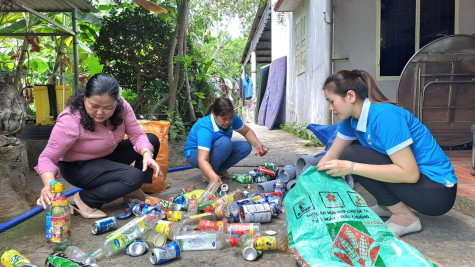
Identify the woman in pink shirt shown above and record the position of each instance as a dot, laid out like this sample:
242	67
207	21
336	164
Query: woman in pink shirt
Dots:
88	149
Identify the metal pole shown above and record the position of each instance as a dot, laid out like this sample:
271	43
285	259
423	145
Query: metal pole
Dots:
75	51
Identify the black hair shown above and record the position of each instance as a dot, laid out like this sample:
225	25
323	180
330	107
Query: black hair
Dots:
221	106
359	81
98	84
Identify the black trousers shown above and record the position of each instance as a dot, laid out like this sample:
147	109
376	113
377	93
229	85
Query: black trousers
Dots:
106	179
425	196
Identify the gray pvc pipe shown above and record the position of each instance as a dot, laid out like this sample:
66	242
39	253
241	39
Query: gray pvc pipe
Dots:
287	173
265	187
305	161
291	184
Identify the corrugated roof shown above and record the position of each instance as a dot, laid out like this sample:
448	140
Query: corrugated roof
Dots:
263	47
46	5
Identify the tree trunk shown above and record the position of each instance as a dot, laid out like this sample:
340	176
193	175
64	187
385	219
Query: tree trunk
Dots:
21	62
15	194
191	110
174	71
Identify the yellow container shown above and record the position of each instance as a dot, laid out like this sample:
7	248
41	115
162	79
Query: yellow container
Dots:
42	103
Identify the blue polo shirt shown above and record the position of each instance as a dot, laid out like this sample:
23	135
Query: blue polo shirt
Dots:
205	131
388	128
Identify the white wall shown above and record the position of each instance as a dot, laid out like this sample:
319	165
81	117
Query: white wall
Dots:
304	99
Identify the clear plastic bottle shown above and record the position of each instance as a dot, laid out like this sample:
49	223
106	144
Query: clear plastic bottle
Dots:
60	220
49	209
194	220
77	254
228	210
233	196
202	240
193	205
170	228
279	242
176	216
210	191
120	238
236	229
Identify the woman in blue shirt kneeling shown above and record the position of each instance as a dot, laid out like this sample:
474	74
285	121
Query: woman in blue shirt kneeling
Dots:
209	145
397	159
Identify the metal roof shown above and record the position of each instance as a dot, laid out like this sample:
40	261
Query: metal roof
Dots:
46	5
261	40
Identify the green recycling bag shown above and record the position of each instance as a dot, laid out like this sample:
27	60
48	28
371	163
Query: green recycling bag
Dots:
329	224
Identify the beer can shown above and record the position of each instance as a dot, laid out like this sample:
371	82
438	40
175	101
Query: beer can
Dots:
250	253
256	213
136	248
11	258
104	225
165	253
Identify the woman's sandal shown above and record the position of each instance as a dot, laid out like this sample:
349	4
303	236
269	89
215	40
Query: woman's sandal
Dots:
78	206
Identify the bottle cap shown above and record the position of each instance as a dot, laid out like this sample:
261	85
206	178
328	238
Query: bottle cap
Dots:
233	241
58	187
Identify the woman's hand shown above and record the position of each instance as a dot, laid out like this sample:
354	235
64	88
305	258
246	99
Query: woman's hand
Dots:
217	179
261	149
148	161
335	167
45	197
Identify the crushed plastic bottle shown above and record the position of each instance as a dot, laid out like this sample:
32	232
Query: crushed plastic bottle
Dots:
279	242
77	254
210	191
120	238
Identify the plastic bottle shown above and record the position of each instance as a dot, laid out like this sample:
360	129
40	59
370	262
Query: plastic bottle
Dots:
169	228
236	229
210	191
60	220
176	216
202	240
193	220
120	238
49	209
233	196
13	258
279	242
193	205
77	254
228	210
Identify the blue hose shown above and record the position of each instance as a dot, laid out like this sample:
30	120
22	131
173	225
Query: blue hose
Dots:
9	224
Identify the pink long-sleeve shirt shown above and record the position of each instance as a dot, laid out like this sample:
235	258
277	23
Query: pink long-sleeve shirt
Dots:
70	142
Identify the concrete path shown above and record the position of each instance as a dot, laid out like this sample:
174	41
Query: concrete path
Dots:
447	240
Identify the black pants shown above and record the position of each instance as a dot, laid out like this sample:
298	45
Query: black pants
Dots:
108	178
425	196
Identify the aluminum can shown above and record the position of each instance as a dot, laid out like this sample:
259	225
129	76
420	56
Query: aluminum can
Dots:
266	171
271	166
165	253
250	253
136	248
279	187
104	225
244	178
256	213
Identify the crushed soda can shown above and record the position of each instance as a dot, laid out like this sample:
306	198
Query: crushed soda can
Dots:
12	258
250	253
261	178
136	248
165	253
244	178
128	209
189	189
271	166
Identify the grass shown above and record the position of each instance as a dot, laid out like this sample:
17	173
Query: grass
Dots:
302	132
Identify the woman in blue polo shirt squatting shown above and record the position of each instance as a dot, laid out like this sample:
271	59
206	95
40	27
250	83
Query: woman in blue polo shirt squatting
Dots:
209	145
398	160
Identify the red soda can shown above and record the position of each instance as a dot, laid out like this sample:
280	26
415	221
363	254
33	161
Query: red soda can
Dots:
266	171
